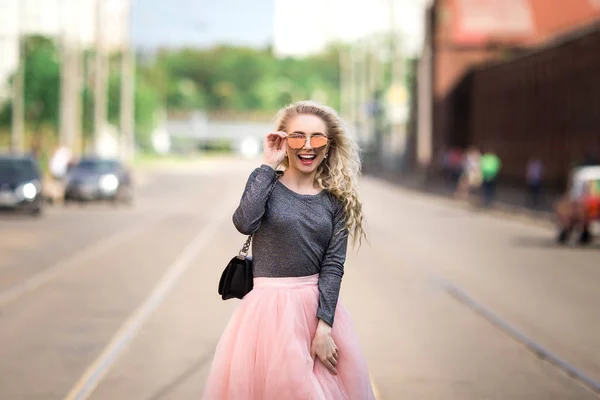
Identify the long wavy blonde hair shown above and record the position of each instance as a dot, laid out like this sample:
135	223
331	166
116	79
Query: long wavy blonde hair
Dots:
339	172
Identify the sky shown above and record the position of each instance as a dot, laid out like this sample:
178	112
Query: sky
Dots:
158	23
294	27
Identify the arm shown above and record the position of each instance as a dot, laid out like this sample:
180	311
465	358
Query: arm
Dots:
332	269
330	279
248	215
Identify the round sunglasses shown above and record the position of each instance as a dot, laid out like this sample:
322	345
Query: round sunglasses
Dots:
316	142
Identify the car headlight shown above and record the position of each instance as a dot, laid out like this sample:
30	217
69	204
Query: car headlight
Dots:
109	182
27	191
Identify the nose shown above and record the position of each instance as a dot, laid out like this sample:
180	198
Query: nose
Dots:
307	145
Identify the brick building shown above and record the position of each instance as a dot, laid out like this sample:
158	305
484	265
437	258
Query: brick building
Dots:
461	36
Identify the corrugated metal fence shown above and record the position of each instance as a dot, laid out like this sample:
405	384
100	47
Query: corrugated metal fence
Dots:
545	104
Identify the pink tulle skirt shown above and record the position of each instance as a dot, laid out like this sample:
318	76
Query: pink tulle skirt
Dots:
264	353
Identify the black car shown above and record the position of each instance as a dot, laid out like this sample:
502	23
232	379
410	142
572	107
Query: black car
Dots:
20	184
98	179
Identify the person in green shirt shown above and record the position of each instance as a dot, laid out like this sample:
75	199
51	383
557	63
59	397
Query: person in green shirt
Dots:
490	167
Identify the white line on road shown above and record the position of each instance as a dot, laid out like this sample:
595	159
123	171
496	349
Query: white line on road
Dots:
512	331
98	369
93	250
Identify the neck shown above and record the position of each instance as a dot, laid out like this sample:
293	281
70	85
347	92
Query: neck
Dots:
299	181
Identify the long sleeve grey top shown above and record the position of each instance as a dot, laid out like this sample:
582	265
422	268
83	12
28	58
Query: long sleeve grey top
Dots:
294	235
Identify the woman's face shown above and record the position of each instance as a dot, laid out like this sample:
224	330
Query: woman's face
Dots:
307	142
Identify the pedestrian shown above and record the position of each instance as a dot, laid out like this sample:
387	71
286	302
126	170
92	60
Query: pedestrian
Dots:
290	338
490	167
535	171
470	178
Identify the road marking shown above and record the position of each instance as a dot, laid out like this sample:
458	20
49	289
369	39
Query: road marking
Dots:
542	352
93	250
98	369
486	313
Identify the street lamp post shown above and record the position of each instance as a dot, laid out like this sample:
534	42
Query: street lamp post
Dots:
127	89
18	102
100	78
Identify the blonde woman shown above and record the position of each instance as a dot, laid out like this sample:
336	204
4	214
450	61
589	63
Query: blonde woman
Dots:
290	339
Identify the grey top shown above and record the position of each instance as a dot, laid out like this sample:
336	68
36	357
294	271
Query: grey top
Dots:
294	235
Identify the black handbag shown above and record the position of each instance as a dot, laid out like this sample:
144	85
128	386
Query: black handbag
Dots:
237	280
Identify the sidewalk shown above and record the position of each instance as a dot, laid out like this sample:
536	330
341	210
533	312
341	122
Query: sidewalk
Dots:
508	199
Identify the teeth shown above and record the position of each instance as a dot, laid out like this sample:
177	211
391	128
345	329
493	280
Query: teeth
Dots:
307	157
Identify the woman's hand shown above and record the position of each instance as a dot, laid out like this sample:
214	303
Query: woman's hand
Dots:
324	347
274	148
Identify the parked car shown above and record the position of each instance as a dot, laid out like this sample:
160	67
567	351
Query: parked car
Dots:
20	184
579	210
93	179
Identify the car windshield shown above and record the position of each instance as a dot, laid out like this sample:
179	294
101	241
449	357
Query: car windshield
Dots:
99	166
17	170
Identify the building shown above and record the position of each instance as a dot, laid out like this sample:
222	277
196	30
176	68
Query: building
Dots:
461	34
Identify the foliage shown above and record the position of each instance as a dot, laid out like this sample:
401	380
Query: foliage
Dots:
222	78
244	79
41	85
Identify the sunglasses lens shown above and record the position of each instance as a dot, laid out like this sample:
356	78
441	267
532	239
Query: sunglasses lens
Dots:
296	143
317	142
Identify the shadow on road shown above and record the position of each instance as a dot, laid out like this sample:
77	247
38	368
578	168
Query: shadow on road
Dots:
550	243
9	215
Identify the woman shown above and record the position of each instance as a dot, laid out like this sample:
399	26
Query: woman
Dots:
290	339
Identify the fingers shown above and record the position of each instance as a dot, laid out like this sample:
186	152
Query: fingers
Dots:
275	135
330	366
331	361
277	139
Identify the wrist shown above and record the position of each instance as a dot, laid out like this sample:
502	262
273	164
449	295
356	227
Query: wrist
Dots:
272	165
323	327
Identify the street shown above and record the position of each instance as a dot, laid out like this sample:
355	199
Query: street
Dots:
121	302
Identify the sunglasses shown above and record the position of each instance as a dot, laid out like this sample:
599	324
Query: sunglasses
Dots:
316	142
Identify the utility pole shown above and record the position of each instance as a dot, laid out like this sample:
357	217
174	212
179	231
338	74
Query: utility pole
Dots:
363	89
128	90
353	101
70	94
100	78
18	103
398	95
344	69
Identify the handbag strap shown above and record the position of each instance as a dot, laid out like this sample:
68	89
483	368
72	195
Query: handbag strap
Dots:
244	251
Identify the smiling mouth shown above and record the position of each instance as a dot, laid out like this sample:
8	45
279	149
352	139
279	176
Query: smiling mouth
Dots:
307	159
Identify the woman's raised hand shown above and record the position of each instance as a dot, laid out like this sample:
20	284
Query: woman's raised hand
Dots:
274	148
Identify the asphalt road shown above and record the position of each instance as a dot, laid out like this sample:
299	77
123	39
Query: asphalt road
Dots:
121	303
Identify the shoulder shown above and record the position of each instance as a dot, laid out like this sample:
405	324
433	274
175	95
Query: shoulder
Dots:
265	170
334	203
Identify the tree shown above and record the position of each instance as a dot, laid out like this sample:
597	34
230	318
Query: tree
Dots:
245	79
41	85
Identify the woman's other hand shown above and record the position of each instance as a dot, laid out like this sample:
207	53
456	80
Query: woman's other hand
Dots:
324	347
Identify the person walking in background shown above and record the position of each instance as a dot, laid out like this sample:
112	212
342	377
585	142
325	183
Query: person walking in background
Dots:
471	173
291	338
534	176
59	162
490	167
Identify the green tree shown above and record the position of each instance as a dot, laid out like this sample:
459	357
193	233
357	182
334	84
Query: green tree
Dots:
41	85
